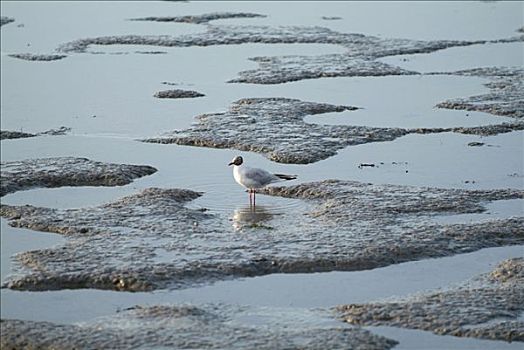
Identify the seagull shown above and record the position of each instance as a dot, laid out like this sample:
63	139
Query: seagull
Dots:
254	178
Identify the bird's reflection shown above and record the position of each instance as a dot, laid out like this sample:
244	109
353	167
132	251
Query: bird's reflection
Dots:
252	217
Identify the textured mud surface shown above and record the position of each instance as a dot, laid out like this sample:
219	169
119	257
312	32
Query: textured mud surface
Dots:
359	45
8	134
485	130
178	94
276	70
200	19
37	57
5	20
275	127
506	97
359	60
55	132
190	327
484	308
66	171
154	240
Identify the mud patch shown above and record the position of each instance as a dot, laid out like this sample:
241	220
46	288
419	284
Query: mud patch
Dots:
152	240
66	171
7	135
151	52
483	130
176	93
5	20
359	45
506	97
37	57
113	246
275	127
191	327
276	70
200	19
359	60
484	308
55	132
476	144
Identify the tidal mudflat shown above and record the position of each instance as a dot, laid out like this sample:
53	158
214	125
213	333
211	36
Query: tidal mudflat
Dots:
487	307
126	229
8	134
6	20
276	128
360	227
188	326
59	172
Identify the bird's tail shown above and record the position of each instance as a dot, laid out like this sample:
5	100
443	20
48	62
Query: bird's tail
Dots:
286	177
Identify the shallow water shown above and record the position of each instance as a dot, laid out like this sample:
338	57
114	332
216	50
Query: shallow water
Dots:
385	101
458	58
107	100
410	339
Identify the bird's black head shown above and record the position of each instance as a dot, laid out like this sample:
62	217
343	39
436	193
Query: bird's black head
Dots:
236	161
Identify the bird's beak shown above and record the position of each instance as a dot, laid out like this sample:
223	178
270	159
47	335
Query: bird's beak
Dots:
230	164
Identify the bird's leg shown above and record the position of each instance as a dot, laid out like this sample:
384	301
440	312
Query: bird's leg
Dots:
254	195
250	198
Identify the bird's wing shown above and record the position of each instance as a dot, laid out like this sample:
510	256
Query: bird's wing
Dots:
259	176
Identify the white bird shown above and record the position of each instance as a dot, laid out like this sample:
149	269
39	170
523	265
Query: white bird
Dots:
254	178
